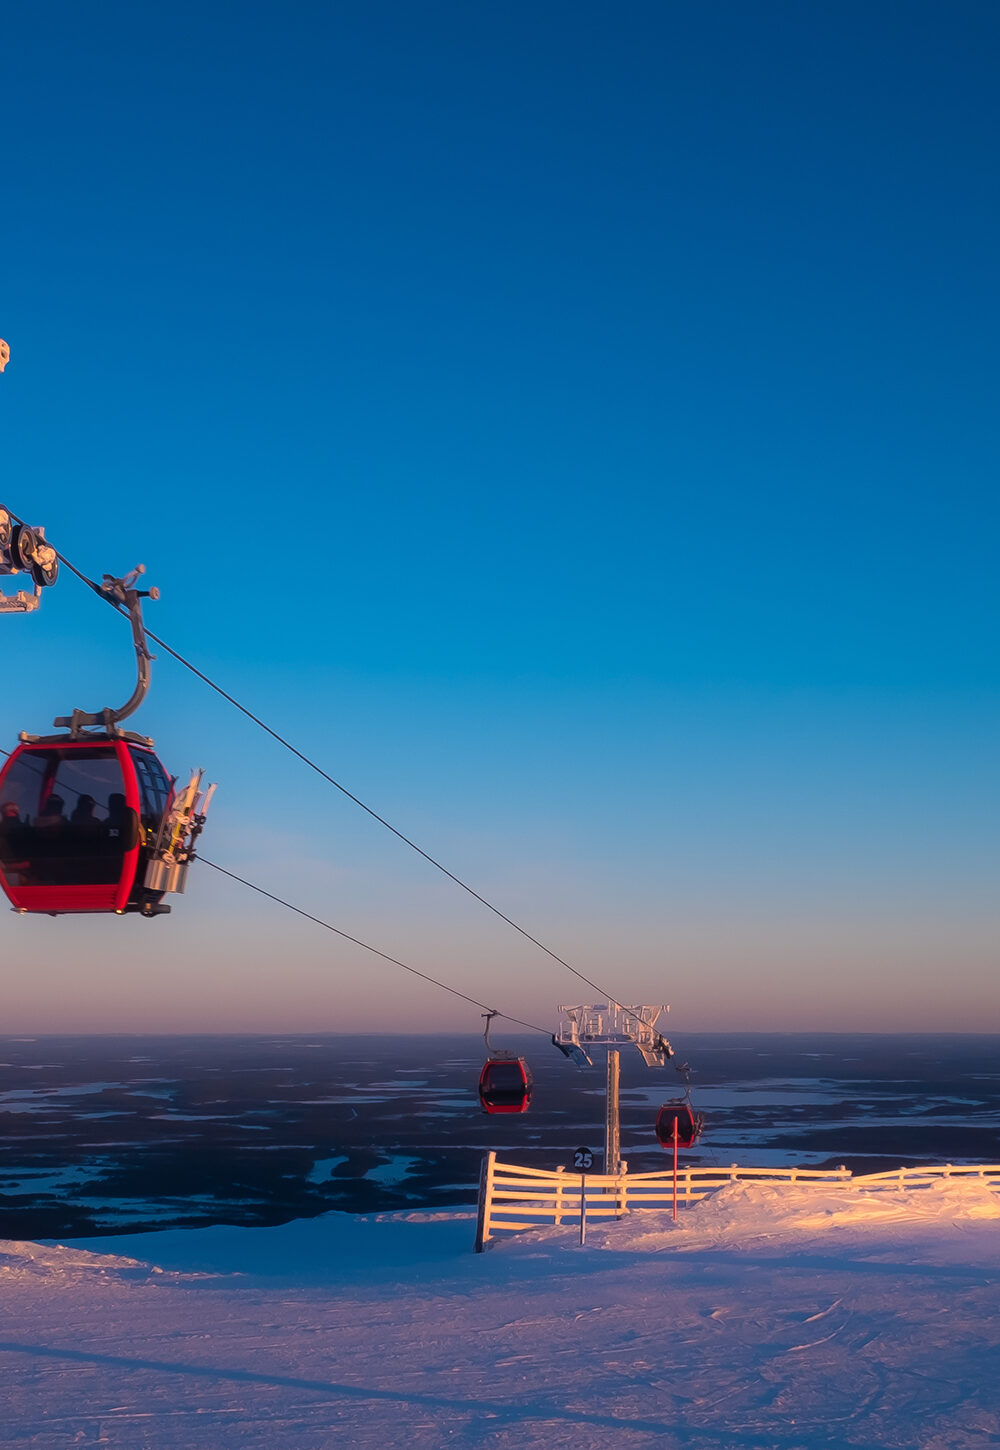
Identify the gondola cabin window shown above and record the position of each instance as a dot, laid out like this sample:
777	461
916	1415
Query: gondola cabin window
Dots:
64	818
69	827
505	1086
154	788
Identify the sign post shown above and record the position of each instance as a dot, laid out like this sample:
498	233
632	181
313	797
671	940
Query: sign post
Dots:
583	1159
675	1170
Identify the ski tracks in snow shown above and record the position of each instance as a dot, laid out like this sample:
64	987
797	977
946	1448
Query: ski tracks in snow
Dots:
864	1341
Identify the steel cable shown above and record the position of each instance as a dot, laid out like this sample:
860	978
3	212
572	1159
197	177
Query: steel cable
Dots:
313	765
356	941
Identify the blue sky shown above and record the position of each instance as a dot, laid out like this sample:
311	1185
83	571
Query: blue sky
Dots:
573	424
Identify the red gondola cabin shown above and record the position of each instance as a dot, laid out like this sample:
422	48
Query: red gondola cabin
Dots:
505	1085
78	823
689	1125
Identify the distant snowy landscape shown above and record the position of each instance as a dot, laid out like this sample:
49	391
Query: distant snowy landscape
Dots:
770	1315
112	1135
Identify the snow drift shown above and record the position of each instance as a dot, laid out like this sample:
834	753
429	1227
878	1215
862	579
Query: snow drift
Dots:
769	1316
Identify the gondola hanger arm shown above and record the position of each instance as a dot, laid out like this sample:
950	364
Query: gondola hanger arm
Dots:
126	599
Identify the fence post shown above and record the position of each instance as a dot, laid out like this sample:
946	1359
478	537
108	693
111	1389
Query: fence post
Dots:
485	1201
621	1192
559	1194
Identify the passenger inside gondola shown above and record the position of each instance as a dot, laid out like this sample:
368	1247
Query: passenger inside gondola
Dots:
52	817
121	825
12	842
83	812
47	842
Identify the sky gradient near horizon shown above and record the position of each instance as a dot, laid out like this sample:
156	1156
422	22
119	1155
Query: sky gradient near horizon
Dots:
576	427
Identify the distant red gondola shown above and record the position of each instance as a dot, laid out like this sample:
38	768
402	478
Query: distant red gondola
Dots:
505	1085
689	1125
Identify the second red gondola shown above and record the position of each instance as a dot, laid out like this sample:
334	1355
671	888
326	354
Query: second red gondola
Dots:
505	1085
679	1116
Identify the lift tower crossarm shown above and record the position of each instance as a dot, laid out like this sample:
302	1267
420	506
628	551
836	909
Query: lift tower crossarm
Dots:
611	1024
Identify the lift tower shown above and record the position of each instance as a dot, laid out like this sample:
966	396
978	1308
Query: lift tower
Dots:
611	1026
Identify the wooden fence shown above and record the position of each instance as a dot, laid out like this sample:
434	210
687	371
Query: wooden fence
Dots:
513	1198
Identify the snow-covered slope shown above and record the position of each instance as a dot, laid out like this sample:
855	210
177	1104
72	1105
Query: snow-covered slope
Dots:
769	1316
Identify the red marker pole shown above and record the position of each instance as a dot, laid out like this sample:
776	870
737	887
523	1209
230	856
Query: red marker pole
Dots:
675	1170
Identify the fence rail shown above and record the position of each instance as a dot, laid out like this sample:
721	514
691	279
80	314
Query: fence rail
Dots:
513	1198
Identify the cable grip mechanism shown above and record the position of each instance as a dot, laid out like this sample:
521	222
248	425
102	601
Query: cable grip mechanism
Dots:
23	548
122	595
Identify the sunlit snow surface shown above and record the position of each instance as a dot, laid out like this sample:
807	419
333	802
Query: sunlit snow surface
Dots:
773	1317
